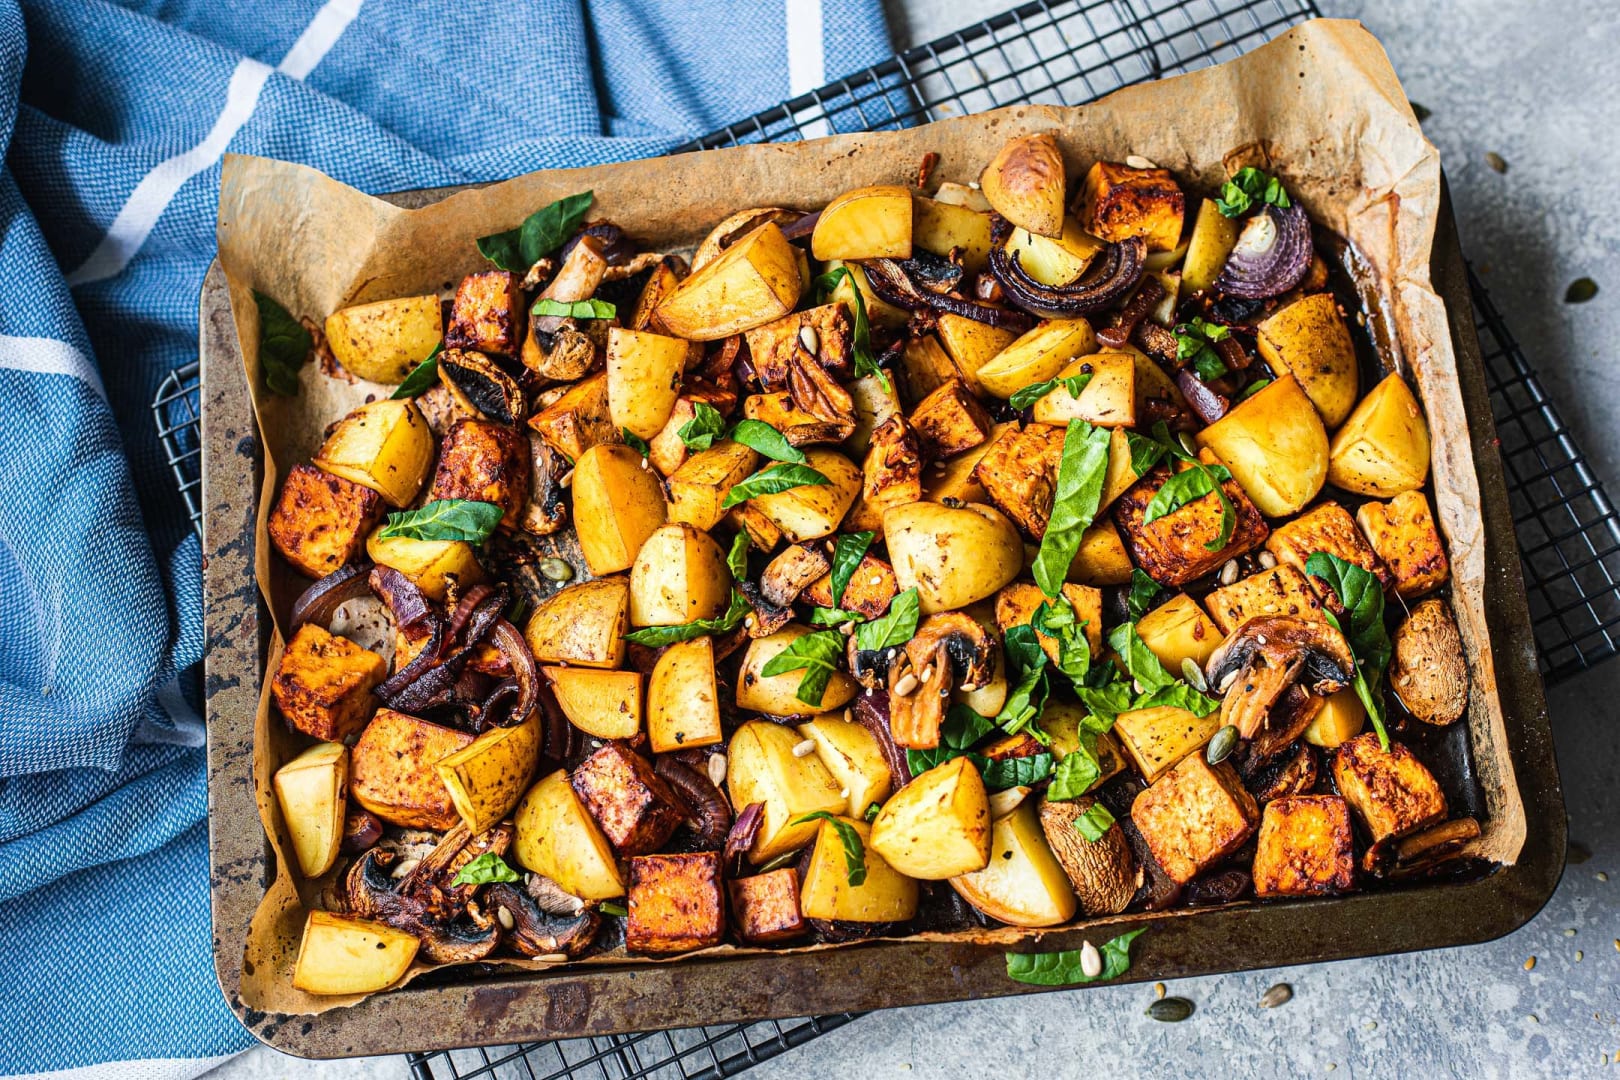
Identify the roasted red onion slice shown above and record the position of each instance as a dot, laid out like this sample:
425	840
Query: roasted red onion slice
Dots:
891	280
320	601
1135	310
525	674
709	811
465	607
744	830
872	711
1273	253
1205	401
1109	278
406	602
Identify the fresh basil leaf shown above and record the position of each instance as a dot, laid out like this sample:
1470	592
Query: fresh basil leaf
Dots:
485	869
920	761
635	442
1362	624
847	555
1056	619
659	636
834	617
783	476
1076	773
872	812
1029	395
284	345
1081	472
608	907
1145	452
1189	485
705	426
1063	968
1143	592
1209	366
1253	389
422	378
445	519
895	627
1026	664
541	233
758	435
737	557
854	850
577	309
1017	771
816	654
860	339
1094	823
1180	695
1140	661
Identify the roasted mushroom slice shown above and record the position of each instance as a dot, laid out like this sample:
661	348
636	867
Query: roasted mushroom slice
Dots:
480	386
1293	773
471	937
546	509
1102	871
905	284
736	227
1272	254
767	618
918	697
530	930
790	572
1427	670
970	649
1286	721
1268	654
1427	850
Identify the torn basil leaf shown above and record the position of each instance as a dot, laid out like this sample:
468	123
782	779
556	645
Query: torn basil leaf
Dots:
1081	472
541	233
783	476
284	345
445	519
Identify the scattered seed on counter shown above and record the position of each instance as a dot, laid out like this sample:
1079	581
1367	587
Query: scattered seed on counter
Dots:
1530	963
1171	1010
1579	956
1569	932
1601	876
1279	994
1159	988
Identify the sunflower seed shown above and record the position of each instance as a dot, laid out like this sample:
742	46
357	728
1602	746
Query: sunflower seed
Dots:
1171	1010
505	916
1090	960
717	769
555	569
1193	674
1137	161
1229	572
1268	561
907	683
1221	745
805	749
1277	995
809	339
566	478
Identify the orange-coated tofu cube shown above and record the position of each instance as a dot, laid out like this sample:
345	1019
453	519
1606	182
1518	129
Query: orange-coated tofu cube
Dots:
1391	790
1019	473
636	809
1305	847
1194	817
486	315
765	907
320	521
1282	590
675	903
950	420
1403	533
1327	527
1117	201
323	685
486	462
1172	549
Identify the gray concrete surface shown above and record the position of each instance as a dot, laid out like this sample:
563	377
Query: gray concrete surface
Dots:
1533	82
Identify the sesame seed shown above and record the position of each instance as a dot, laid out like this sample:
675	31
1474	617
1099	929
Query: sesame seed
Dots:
877	579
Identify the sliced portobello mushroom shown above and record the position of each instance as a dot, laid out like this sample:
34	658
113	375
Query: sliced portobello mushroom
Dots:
1292	773
469	938
969	647
1284	723
1267	655
534	930
1427	669
546	510
481	387
1433	847
1103	872
791	572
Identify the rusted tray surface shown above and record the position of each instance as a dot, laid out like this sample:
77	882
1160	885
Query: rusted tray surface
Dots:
502	1008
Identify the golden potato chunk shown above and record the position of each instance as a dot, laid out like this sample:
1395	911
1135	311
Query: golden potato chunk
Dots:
1117	201
320	521
1282	590
1019	473
392	770
383	340
925	366
1158	738
771	347
1325	527
950	421
1172	549
323	684
675	903
636	809
1403	533
765	907
1194	817
699	486
485	315
485	461
578	420
1305	847
1391	790
1178	630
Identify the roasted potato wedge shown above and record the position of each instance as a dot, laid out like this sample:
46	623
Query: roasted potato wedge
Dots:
604	704
1309	340
885	896
867	223
488	776
382	341
1026	184
753	281
762	768
386	446
340	955
1383	447
679	576
952	556
582	625
556	836
643	379
618	504
683	699
1275	445
777	695
312	790
1023	884
937	826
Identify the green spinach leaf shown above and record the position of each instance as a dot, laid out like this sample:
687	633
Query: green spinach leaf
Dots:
1081	472
284	345
783	476
445	519
1363	627
484	870
1246	187
896	626
577	309
1063	968
659	636
423	377
1143	592
758	435
847	555
816	654
541	233
706	425
1094	823
854	850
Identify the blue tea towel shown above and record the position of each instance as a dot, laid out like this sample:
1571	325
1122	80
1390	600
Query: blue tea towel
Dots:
115	116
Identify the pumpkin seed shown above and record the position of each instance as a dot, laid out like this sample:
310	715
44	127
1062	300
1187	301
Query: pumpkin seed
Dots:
1496	161
1171	1010
1277	995
1580	291
1187	444
1193	674
555	569
1221	745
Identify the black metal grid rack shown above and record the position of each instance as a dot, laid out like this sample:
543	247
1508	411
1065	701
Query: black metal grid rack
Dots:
1068	52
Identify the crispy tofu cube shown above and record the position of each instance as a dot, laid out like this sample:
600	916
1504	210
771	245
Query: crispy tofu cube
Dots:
323	685
1391	790
763	533
636	809
798	426
892	472
1171	550
1194	817
1282	590
1017	603
1117	201
675	903
1330	528
487	462
868	593
950	421
765	907
1402	531
1178	630
578	420
771	347
1305	847
486	314
1019	473
320	521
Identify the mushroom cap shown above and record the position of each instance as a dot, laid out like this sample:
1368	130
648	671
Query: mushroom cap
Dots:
536	931
1427	670
971	649
1103	872
1326	661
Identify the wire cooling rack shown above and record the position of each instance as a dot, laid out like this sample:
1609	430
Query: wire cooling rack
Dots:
1068	52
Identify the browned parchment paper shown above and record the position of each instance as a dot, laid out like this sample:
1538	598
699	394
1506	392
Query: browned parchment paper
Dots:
1320	105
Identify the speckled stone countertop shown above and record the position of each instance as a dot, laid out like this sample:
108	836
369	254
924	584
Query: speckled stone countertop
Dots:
1534	83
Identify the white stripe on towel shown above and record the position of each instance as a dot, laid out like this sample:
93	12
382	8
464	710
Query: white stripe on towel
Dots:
807	59
48	356
140	213
147	1069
